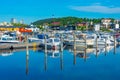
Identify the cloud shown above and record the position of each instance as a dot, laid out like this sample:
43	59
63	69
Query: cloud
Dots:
97	8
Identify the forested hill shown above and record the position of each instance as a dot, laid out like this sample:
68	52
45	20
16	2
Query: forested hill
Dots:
67	20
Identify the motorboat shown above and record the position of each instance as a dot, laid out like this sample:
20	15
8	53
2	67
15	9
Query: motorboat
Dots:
53	43
8	39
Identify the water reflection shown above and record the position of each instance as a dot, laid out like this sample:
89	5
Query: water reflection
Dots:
27	63
5	53
83	53
61	60
86	52
53	53
45	61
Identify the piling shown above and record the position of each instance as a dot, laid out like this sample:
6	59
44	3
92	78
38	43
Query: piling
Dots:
74	36
45	43
114	44
85	56
105	46
96	47
27	54
74	62
27	50
61	38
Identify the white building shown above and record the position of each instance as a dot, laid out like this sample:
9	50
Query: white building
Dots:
97	27
13	20
116	26
22	21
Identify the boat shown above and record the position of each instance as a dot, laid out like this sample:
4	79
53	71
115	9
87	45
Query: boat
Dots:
118	39
53	43
8	39
40	38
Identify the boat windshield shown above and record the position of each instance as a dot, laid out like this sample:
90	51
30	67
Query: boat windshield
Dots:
50	41
9	39
56	40
4	38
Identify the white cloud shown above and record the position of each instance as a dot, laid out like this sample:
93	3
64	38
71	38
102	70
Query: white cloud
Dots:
97	8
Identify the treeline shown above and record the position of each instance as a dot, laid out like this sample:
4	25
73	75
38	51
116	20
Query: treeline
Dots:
68	21
19	25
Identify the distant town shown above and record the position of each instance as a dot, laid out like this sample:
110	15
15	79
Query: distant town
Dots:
64	23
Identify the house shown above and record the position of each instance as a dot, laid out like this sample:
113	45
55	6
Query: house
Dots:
81	24
106	22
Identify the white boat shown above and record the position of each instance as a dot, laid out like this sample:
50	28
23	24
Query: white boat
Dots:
33	39
53	43
8	39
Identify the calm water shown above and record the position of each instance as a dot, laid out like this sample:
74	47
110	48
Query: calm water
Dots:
104	65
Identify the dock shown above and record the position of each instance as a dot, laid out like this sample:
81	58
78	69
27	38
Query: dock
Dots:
18	46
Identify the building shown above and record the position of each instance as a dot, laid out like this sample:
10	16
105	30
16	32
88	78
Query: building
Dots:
13	20
5	24
97	27
106	22
22	21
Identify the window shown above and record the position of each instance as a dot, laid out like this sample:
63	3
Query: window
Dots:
56	40
4	38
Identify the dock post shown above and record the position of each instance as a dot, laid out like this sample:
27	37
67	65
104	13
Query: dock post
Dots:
105	47
85	56
114	44
27	55
45	43
96	47
61	38
74	41
74	36
27	49
20	37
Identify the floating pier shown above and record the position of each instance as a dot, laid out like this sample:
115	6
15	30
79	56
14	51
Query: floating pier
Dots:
19	46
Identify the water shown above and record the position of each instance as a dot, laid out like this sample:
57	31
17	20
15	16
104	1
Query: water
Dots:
62	66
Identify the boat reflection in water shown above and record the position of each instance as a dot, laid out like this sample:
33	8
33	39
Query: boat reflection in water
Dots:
53	53
6	53
87	52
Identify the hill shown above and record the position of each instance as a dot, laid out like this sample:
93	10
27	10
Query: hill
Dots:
66	20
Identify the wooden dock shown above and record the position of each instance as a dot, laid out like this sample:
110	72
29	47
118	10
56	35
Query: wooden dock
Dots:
19	46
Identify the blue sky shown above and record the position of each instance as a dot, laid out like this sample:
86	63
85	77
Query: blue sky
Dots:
32	10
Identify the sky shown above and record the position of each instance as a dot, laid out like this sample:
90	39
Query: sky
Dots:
33	10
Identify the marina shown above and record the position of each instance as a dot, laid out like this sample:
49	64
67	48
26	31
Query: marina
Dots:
60	55
60	40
